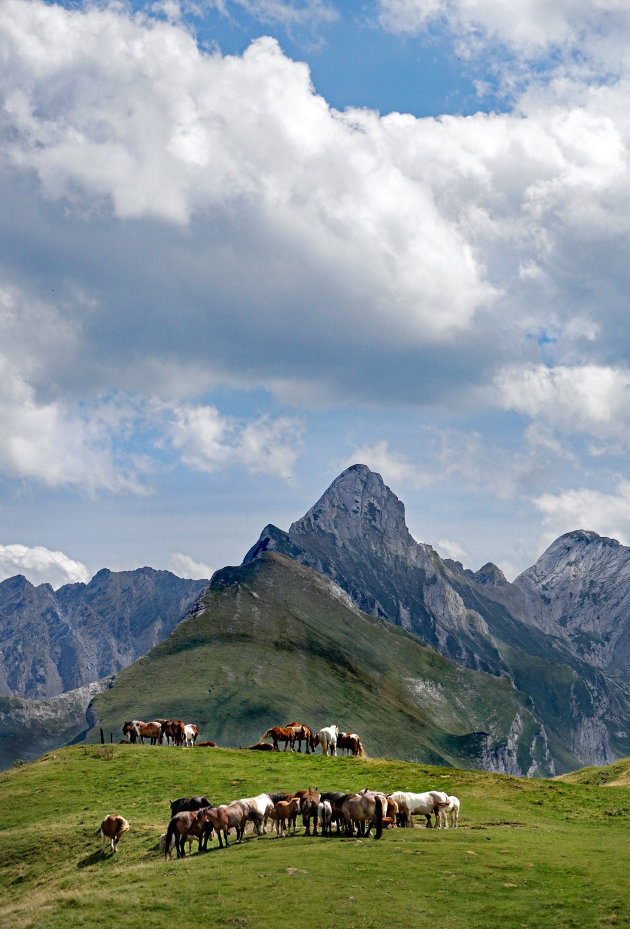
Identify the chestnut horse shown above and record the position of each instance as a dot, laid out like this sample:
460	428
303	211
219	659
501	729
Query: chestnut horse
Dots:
351	742
136	729
286	811
280	734
303	734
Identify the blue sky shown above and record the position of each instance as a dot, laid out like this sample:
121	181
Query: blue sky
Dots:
247	243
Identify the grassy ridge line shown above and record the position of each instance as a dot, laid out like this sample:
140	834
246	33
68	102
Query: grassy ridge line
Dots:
274	643
529	853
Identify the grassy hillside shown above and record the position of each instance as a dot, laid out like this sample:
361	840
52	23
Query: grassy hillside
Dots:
528	853
276	642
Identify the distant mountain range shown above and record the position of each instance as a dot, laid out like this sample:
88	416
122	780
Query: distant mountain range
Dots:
548	652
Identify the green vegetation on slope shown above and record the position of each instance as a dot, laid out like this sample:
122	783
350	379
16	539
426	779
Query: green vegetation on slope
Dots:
276	642
527	854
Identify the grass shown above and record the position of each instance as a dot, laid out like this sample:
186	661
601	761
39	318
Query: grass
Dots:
527	854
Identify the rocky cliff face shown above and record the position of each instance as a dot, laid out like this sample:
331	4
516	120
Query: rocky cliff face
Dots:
356	535
579	591
52	642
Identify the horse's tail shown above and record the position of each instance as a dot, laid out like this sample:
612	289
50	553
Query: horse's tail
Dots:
170	834
360	748
379	817
267	734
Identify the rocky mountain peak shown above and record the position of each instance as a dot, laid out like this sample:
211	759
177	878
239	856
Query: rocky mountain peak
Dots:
356	503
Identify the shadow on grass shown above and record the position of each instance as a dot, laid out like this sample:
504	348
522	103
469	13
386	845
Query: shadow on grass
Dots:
94	858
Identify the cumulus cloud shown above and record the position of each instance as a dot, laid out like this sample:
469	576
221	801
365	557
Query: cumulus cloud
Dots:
185	566
531	26
394	467
208	441
608	514
591	399
41	565
449	548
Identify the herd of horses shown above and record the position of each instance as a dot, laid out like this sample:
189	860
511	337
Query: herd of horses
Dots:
349	814
176	732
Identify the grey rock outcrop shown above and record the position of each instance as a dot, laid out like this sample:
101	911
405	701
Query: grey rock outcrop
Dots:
55	641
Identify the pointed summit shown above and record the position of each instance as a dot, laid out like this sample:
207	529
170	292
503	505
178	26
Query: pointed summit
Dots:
357	503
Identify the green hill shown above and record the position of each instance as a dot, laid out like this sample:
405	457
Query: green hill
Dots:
533	853
276	641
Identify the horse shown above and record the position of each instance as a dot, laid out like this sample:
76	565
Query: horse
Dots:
230	816
181	826
280	734
449	812
424	804
302	734
112	828
143	731
190	734
324	814
263	747
262	804
365	807
188	804
327	738
174	731
336	799
351	742
286	811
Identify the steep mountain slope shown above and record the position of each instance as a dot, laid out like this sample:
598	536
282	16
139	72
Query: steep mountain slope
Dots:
273	641
356	535
55	641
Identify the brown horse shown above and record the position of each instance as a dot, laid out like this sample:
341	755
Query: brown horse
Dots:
174	731
285	811
351	742
231	816
112	828
183	825
309	803
280	734
136	729
302	733
365	807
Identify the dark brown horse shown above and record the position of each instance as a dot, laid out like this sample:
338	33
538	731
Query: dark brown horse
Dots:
186	804
174	731
183	825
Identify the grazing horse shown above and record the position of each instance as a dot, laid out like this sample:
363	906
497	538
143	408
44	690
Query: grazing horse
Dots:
327	738
449	812
231	816
174	731
183	825
112	828
351	742
423	804
286	811
302	733
365	807
187	804
262	804
190	734
280	734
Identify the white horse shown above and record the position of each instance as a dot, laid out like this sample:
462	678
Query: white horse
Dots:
450	812
324	815
423	804
190	733
262	804
328	739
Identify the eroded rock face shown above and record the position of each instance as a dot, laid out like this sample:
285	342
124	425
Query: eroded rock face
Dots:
579	591
55	641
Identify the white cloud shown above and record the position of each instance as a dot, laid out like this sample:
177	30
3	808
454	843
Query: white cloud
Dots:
186	566
591	399
608	514
41	565
449	548
209	441
395	468
529	25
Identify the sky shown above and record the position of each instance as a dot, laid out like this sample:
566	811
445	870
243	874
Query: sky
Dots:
245	244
